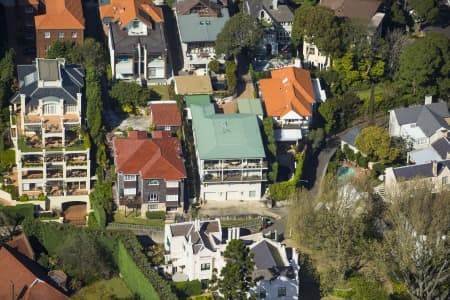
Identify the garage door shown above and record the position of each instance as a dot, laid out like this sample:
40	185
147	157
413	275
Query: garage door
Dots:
210	196
233	196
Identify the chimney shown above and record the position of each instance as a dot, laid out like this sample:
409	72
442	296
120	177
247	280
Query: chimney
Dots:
428	99
11	290
275	4
275	238
434	168
297	63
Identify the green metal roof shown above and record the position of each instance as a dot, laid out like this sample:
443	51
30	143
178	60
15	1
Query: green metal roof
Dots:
250	106
194	28
197	99
225	136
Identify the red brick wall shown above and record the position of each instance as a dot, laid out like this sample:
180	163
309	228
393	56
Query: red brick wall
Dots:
42	42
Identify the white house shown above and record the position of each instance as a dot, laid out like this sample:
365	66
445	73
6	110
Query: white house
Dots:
199	22
272	13
420	125
312	56
230	154
195	249
289	98
136	40
276	270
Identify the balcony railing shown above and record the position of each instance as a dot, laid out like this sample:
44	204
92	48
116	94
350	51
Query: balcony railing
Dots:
237	166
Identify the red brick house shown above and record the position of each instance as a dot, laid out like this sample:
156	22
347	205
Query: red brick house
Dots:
150	171
63	20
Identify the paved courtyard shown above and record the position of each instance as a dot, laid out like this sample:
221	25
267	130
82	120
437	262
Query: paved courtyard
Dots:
226	208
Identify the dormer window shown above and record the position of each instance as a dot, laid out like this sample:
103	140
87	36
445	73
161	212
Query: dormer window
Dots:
136	24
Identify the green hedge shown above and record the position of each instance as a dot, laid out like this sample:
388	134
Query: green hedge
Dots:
133	276
124	248
99	213
283	190
186	289
20	211
159	214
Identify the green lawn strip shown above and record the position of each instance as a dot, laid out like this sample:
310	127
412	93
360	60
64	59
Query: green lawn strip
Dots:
231	223
104	289
365	94
131	218
162	90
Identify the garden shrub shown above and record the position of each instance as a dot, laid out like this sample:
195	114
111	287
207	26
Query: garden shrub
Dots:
19	212
186	289
159	214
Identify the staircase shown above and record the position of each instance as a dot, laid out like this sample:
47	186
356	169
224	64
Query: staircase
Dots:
379	190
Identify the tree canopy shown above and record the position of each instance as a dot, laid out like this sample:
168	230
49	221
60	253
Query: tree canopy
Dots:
236	275
425	66
239	32
130	95
319	25
89	53
425	10
376	143
416	243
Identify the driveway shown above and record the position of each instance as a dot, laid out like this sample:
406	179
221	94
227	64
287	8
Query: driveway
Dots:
227	208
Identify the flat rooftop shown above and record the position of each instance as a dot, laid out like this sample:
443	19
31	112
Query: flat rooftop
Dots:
48	69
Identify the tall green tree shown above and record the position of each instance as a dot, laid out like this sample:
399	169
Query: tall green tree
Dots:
416	247
130	95
376	143
236	275
240	32
94	101
319	25
425	67
425	10
62	49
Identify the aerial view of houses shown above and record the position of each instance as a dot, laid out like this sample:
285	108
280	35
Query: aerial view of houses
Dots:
225	149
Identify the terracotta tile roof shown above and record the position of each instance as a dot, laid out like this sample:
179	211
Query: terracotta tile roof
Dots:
21	244
150	158
61	14
165	114
27	278
289	89
125	11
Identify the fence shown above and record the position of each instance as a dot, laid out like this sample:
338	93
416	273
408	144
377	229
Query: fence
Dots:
121	226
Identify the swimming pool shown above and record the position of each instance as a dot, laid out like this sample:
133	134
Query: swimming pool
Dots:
344	174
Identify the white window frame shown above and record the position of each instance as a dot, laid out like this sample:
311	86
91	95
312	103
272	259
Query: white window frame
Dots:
153	206
74	35
205	266
47	35
129	177
171	197
172	184
153	197
61	35
154	182
129	191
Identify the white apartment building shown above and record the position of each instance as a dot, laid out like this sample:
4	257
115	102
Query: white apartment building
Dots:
51	155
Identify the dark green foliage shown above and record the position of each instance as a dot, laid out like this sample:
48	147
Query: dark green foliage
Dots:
268	136
94	101
230	73
102	202
317	24
214	65
378	169
18	212
425	10
236	275
425	68
283	190
120	247
338	113
161	215
361	160
185	289
316	138
81	258
62	49
6	91
92	220
349	153
130	95
240	32
7	158
12	190
367	289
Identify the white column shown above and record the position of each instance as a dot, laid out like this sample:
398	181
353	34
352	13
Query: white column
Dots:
139	59
145	63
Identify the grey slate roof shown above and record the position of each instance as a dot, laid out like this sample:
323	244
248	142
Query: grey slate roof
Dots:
72	77
420	170
266	256
282	14
124	44
194	28
442	147
350	137
429	118
200	239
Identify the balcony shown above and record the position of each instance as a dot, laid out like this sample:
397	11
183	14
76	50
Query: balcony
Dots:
77	174
32	162
33	144
237	165
52	174
32	175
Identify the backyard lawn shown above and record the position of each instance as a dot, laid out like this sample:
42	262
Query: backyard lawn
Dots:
162	90
365	94
114	288
131	218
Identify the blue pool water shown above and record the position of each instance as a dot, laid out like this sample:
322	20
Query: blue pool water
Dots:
345	173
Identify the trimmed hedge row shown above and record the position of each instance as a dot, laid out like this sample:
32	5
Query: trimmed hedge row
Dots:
186	289
283	190
20	211
124	247
159	214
